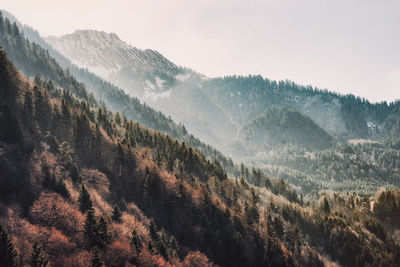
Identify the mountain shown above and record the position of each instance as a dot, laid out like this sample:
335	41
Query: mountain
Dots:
216	110
147	75
80	187
279	125
142	73
33	59
234	100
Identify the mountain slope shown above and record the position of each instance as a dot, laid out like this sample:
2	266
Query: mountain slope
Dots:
217	109
237	98
32	59
142	73
279	125
76	161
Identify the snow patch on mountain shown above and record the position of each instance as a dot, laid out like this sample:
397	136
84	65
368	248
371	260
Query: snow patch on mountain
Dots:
159	82
182	77
105	54
154	96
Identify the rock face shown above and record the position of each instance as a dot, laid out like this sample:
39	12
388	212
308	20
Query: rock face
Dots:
142	73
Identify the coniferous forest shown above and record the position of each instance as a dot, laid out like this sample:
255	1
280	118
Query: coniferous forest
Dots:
90	176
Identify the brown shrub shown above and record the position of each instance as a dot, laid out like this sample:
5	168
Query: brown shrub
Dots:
54	242
52	210
146	259
97	180
78	259
196	259
117	254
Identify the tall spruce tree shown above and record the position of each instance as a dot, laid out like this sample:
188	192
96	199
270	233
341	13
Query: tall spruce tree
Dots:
38	256
153	230
10	131
136	243
116	215
8	253
84	201
96	258
325	206
90	228
102	234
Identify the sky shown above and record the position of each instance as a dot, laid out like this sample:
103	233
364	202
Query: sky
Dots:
346	46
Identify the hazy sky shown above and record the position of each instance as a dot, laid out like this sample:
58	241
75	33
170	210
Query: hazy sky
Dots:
347	46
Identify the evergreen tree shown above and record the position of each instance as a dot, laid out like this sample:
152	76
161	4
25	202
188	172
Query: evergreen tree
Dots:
10	131
90	228
116	215
96	258
251	213
8	253
150	246
38	80
28	109
38	256
83	135
136	243
153	230
102	233
162	244
325	206
42	107
278	227
118	119
274	254
1	22
173	248
84	200
293	238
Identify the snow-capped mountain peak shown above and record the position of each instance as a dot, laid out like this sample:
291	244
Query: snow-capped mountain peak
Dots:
139	72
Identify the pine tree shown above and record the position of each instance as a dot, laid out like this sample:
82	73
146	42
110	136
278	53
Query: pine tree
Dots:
325	206
150	246
136	243
90	228
153	230
38	80
118	119
102	233
162	244
116	215
173	248
270	226
83	135
10	131
8	253
293	238
96	258
278	226
28	109
42	107
1	23
84	200
150	183
38	256
274	253
251	213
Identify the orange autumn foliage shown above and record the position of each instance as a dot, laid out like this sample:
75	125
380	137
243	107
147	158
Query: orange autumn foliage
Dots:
52	210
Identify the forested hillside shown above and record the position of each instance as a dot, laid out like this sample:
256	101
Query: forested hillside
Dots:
229	112
350	116
90	176
355	166
279	125
32	59
82	186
